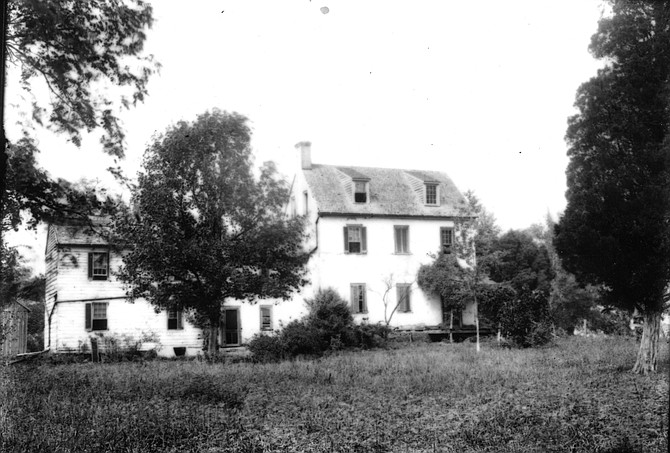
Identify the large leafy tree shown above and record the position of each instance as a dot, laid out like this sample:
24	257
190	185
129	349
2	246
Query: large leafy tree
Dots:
521	262
204	229
88	55
616	227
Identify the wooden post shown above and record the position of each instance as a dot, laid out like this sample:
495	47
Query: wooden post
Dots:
95	355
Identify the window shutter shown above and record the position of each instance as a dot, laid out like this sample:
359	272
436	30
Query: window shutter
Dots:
364	240
90	265
364	296
180	324
346	240
88	313
352	298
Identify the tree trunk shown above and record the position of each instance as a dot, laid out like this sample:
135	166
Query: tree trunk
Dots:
214	327
647	355
451	327
3	138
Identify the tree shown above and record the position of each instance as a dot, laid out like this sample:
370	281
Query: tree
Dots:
204	229
79	51
485	226
389	284
616	228
455	276
521	262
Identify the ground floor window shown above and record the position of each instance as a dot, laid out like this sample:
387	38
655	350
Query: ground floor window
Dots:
266	317
96	316
358	298
175	320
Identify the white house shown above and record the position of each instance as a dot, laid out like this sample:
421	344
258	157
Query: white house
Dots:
370	230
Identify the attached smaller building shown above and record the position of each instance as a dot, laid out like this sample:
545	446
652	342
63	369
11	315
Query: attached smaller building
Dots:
84	299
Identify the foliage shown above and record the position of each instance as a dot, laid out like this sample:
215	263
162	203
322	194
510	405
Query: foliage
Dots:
521	262
485	226
615	230
443	278
204	229
328	326
79	49
266	348
329	313
421	397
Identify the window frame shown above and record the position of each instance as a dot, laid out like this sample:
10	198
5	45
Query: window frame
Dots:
396	230
443	246
91	318
366	191
356	290
435	186
407	306
178	317
362	243
269	326
92	268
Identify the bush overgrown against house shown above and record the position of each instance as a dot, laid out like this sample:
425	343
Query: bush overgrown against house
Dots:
328	326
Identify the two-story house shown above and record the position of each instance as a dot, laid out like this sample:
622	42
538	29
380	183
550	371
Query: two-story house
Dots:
370	230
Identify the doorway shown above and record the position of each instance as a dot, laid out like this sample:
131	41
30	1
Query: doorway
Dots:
230	333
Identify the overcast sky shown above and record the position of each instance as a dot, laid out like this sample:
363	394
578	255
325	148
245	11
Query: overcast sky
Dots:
478	89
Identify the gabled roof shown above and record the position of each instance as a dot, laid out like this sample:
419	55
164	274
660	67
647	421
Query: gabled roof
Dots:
78	232
393	192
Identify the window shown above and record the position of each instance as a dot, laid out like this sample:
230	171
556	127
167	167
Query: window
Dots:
431	194
355	239
266	317
306	200
403	292
98	265
360	192
358	298
175	320
446	239
401	233
96	316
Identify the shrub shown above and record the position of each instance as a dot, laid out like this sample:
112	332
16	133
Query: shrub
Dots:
330	316
540	335
266	348
301	338
328	325
371	335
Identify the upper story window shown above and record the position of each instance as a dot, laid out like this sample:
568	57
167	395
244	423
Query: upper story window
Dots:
446	239
361	192
98	265
306	203
175	321
401	236
432	195
355	239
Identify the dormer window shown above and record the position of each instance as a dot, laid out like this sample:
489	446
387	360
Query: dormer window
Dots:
432	194
360	191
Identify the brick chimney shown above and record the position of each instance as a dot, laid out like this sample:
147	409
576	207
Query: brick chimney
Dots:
305	152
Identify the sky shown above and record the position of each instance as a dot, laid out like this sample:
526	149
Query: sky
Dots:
480	90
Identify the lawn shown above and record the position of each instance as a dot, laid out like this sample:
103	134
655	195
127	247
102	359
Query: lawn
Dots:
575	396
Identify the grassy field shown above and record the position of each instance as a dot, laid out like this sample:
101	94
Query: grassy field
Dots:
575	396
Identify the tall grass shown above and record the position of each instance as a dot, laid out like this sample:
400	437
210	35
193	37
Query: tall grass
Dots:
576	396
